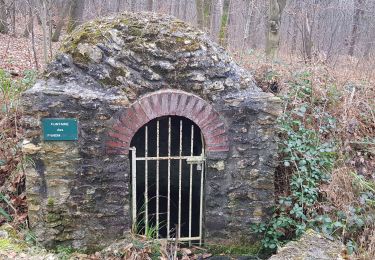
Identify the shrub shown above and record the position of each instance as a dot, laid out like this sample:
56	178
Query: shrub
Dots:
312	139
12	198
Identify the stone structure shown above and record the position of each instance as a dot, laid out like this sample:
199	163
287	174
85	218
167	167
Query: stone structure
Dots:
116	74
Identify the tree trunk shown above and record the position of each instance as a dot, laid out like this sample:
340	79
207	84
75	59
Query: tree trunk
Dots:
44	30
31	15
369	43
297	10
3	17
29	26
60	24
150	5
118	6
223	38
133	5
14	30
253	25
177	8
38	19
273	27
249	9
217	14
200	13
307	38
207	5
49	13
366	53
293	46
184	8
76	14
358	4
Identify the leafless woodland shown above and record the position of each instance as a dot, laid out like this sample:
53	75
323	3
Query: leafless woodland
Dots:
335	32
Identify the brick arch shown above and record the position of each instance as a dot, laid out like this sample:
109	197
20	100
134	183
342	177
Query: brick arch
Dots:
163	103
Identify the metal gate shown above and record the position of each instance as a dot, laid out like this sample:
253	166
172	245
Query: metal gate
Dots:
167	175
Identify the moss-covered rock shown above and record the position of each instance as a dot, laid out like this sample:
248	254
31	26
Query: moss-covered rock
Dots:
11	240
311	246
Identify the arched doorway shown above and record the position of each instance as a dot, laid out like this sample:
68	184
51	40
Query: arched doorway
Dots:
167	162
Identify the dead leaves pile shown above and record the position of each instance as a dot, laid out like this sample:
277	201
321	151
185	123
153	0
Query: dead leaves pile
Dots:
147	250
13	204
16	53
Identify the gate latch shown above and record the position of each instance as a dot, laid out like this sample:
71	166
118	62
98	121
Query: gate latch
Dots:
195	159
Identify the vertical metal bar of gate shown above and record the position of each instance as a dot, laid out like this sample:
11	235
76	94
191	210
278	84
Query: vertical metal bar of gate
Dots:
157	179
201	197
146	179
134	187
191	182
180	182
169	180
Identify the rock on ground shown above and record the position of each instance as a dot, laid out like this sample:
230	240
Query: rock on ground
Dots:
311	246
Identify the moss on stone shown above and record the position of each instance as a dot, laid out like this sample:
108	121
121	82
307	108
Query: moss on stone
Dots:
87	34
187	44
92	33
112	79
12	233
50	202
80	58
53	217
7	244
135	30
178	44
13	240
143	32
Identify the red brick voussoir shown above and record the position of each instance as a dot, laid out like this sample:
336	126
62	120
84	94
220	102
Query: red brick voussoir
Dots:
164	103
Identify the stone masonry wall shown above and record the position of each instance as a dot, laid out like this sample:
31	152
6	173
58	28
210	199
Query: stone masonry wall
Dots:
79	192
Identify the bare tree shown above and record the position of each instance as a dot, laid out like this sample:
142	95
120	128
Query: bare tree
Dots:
224	23
133	5
3	17
217	14
276	8
60	24
76	14
358	5
50	26
307	41
31	19
150	5
249	10
208	4
44	15
329	28
200	13
13	16
118	6
295	19
184	9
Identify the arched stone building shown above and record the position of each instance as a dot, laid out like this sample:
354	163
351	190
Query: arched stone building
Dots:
171	134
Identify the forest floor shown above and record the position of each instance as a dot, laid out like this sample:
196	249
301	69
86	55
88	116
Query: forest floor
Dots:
16	51
14	245
335	105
